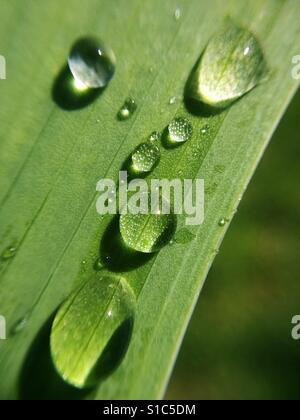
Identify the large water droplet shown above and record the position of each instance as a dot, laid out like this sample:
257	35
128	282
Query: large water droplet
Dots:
150	232
8	253
92	63
232	65
145	157
180	130
127	109
92	329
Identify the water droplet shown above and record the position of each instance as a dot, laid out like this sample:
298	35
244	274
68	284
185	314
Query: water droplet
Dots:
184	236
232	65
8	253
92	63
92	329
114	253
222	222
154	137
172	100
19	325
180	130
145	157
107	258
83	266
127	109
177	13
148	233
204	129
98	265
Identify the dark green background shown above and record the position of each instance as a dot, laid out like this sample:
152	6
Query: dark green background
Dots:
239	343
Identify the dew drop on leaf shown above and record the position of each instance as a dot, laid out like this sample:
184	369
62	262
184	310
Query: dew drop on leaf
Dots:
8	253
180	130
205	129
92	329
172	100
232	64
92	63
222	222
154	137
127	109
98	265
177	13
148	233
145	157
19	325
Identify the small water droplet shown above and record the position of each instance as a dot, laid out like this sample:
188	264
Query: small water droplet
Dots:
222	222
19	325
172	100
92	329
148	233
247	51
232	64
127	109
8	253
180	130
177	13
145	157
92	63
98	265
154	137
83	266
204	129
184	236
107	258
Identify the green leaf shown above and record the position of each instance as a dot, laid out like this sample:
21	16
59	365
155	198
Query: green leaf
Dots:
54	151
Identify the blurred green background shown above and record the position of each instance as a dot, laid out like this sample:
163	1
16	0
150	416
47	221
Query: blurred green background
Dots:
238	344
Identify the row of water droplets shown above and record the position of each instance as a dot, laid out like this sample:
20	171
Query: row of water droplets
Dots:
102	310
